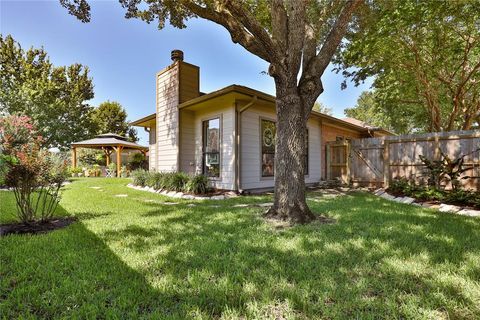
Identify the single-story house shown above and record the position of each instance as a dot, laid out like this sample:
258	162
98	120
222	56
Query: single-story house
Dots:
228	134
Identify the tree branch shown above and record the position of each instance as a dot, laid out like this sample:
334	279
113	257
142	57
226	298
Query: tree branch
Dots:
237	31
318	65
250	23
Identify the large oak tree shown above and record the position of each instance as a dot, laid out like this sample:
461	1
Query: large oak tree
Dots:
297	38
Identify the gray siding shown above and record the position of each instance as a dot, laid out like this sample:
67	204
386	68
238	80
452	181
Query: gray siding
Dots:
250	149
227	158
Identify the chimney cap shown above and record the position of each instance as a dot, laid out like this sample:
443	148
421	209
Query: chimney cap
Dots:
177	55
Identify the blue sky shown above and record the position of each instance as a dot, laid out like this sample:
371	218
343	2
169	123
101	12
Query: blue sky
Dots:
124	55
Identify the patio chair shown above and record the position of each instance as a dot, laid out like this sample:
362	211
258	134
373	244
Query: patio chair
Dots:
109	173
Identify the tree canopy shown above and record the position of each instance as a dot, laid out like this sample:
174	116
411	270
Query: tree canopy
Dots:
320	107
297	38
425	60
370	109
111	117
53	96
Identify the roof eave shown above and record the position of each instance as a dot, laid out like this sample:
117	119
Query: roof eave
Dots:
142	122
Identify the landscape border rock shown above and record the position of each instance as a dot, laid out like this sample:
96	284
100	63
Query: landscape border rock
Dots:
442	207
181	195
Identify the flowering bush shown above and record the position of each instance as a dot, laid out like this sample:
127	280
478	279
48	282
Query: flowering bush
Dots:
35	175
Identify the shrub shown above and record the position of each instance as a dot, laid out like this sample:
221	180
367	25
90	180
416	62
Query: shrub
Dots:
3	171
176	181
402	186
156	180
446	170
198	184
35	175
140	177
429	193
137	161
90	157
461	197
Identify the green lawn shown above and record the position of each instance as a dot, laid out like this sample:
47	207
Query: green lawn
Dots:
137	257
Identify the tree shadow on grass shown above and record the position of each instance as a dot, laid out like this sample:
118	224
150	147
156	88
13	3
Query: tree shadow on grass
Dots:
379	259
71	273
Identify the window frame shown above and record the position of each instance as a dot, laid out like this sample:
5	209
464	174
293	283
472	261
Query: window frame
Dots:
204	153
263	177
307	153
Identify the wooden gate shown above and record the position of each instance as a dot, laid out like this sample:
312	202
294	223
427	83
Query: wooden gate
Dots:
337	161
367	162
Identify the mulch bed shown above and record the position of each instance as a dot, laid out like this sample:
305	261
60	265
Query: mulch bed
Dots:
36	227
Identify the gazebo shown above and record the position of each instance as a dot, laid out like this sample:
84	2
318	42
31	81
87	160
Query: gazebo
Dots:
108	142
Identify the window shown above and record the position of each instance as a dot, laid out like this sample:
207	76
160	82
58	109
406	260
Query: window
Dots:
211	147
268	131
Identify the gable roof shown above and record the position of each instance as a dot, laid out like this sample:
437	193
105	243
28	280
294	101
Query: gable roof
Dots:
366	125
262	96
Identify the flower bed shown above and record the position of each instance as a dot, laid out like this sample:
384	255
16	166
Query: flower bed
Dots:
431	204
177	185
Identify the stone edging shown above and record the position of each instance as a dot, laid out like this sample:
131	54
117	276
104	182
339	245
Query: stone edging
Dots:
181	195
442	207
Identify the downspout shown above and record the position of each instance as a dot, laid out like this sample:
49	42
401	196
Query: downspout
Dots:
238	127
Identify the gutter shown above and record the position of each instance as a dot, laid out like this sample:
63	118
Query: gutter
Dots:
238	127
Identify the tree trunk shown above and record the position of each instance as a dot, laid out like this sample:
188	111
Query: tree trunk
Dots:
289	196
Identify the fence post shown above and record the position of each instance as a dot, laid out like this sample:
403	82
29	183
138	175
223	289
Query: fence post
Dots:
329	161
386	164
348	162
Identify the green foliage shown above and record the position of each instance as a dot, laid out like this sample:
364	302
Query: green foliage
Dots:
137	161
140	177
3	171
155	180
111	117
429	194
53	97
176	181
405	187
89	157
171	181
320	107
446	170
371	110
463	197
34	174
402	186
425	60
197	184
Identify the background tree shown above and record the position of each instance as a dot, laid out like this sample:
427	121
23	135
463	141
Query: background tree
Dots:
111	117
320	107
54	97
425	57
371	110
297	38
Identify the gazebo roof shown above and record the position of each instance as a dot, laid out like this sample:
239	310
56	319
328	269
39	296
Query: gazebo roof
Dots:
108	140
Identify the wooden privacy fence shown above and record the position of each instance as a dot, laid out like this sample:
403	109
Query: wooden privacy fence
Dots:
376	161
